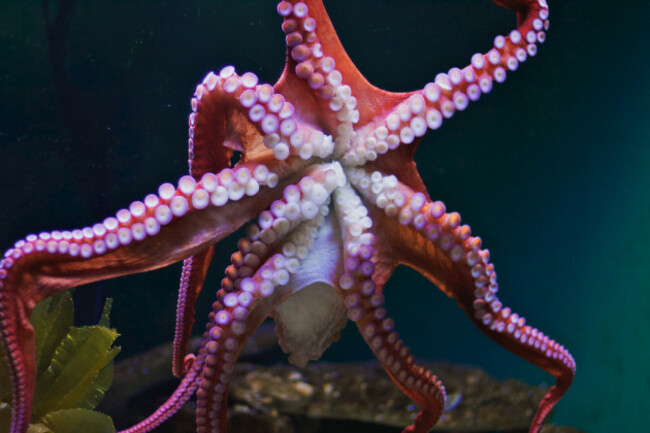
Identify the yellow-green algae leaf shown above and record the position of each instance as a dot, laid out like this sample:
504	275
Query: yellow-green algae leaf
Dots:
74	370
78	420
52	319
77	377
38	428
105	319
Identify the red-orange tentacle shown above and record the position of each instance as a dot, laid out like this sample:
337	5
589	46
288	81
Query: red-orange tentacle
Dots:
162	229
229	113
317	64
179	397
192	278
256	283
407	120
367	265
434	242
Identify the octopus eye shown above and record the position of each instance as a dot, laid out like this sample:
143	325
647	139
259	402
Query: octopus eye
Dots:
235	157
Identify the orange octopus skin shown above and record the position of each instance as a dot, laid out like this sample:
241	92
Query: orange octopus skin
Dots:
327	169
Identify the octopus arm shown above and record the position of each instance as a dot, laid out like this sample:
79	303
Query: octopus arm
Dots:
271	266
369	261
434	242
264	272
404	118
316	60
162	229
193	275
230	113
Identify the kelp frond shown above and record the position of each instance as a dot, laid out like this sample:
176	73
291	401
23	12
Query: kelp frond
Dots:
74	368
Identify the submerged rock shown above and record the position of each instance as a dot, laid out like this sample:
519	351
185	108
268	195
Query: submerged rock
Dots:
362	392
322	397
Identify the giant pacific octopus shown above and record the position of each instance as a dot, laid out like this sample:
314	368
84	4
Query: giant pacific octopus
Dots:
327	176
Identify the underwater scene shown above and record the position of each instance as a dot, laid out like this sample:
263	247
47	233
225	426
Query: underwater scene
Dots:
327	216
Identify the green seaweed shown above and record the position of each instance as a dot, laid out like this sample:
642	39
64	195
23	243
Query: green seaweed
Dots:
74	368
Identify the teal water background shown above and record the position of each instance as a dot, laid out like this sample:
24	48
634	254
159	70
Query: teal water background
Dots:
552	169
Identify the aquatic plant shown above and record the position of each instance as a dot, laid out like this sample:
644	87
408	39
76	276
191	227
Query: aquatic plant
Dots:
74	368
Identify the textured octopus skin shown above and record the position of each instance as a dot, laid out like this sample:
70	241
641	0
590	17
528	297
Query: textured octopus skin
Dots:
327	174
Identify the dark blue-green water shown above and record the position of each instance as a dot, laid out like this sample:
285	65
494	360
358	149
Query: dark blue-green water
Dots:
552	169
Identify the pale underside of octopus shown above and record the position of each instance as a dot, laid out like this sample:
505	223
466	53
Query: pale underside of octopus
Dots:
327	174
